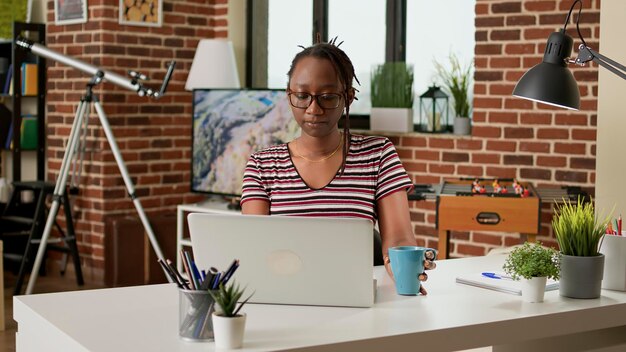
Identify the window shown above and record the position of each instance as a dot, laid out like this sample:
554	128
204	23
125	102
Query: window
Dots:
289	25
416	31
364	41
433	33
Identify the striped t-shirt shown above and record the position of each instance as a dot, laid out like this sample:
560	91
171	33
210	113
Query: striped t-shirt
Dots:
373	170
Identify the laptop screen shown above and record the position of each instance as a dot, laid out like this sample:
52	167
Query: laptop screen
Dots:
290	260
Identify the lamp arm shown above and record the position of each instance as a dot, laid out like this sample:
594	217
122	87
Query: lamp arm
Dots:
586	54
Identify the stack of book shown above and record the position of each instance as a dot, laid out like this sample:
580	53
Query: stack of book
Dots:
28	129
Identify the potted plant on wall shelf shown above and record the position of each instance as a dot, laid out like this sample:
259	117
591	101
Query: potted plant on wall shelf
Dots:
533	264
456	80
579	232
392	97
228	323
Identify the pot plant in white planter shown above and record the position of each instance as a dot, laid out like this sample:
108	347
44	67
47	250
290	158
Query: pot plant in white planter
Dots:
456	81
579	232
392	97
533	264
228	324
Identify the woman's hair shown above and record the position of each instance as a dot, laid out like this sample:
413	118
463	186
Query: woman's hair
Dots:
344	69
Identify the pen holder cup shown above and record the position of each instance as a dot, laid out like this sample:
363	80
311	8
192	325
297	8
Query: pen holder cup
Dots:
194	315
614	250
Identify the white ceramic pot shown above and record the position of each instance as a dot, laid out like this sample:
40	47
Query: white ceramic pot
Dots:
614	250
462	126
534	289
228	331
391	120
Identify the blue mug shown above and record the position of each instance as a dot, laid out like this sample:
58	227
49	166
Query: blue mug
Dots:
407	263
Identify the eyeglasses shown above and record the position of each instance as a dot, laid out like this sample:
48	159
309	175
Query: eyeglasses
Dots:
302	100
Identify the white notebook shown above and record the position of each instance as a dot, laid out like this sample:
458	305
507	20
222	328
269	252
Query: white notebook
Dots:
503	284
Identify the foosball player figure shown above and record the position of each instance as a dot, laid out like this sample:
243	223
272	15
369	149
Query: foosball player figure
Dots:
477	188
519	189
496	186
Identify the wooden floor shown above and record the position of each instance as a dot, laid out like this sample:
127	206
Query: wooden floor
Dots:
53	281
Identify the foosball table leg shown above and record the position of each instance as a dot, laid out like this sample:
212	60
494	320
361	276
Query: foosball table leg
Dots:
444	244
531	237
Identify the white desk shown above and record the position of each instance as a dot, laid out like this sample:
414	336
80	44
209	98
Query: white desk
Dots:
451	317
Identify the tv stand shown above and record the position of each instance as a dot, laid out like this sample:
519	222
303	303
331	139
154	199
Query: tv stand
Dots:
209	206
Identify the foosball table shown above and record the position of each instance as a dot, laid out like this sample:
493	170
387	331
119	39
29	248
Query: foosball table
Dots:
504	205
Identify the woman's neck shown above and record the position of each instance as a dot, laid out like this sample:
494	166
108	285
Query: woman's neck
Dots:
314	146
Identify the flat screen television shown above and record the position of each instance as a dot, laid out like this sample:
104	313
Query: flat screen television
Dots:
228	126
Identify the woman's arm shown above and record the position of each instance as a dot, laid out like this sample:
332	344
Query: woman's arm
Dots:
394	223
255	207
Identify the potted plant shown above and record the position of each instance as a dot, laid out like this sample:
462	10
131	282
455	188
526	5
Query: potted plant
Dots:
228	323
533	264
392	97
456	80
579	232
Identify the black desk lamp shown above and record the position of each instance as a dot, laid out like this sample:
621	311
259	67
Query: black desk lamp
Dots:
551	82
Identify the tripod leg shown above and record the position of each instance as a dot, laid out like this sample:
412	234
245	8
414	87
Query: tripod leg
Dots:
127	180
58	191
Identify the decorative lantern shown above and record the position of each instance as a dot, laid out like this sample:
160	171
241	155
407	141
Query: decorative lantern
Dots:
434	111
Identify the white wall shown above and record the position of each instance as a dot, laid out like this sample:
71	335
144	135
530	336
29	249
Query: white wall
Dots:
611	137
237	34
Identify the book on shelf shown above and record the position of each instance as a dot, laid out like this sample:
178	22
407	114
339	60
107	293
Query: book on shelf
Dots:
8	81
29	78
5	123
499	281
9	139
28	132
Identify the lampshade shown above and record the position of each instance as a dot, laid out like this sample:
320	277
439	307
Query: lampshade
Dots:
551	82
213	66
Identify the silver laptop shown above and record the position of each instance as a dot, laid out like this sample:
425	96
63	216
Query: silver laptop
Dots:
290	260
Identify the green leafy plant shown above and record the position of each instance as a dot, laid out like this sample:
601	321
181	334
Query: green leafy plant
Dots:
456	81
533	260
226	297
578	229
392	85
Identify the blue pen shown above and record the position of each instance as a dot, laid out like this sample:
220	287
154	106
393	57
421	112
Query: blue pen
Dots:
229	273
496	276
216	281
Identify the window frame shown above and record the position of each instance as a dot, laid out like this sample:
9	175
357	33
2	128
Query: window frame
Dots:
257	40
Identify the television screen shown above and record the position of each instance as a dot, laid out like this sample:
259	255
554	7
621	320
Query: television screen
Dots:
228	126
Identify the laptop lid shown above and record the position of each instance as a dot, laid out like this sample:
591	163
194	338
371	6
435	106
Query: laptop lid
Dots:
290	260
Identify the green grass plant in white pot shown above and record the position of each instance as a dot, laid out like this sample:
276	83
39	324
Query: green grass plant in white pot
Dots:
228	324
392	97
456	80
533	264
579	231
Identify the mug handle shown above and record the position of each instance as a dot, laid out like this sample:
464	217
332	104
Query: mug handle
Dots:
430	252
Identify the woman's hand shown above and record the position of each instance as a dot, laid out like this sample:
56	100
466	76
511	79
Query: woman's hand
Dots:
429	264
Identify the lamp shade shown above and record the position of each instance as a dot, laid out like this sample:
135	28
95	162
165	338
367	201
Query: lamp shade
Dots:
213	66
551	82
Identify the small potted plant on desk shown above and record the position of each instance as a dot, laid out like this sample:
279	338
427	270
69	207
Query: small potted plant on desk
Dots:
579	232
228	323
456	80
534	265
392	97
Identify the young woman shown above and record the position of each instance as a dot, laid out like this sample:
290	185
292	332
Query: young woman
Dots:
325	171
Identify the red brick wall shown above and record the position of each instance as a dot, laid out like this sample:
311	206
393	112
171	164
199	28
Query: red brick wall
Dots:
153	136
512	137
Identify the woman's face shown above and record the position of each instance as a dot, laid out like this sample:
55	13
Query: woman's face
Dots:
316	76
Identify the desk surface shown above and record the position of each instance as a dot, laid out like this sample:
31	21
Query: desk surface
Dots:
451	317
